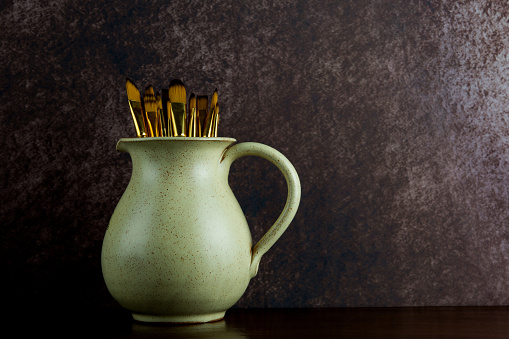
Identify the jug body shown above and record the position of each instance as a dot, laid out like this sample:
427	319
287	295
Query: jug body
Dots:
177	248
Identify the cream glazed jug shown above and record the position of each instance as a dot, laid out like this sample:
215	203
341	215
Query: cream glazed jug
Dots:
178	248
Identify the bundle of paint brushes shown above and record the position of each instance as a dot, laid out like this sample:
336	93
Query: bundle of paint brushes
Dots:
166	114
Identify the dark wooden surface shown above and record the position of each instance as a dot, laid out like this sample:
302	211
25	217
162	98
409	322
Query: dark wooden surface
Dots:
432	322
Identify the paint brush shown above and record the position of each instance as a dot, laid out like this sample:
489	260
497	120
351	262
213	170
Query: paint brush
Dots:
215	121
159	100
134	98
193	130
151	112
168	131
215	117
202	102
177	99
208	130
171	122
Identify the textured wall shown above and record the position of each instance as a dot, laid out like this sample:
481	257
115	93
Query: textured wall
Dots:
394	114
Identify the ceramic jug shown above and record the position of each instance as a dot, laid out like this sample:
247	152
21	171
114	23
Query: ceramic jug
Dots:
178	248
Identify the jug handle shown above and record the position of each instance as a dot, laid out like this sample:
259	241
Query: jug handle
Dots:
292	202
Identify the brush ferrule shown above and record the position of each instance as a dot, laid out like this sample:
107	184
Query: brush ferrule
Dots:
178	111
201	115
193	124
215	123
164	122
137	115
170	122
207	130
154	123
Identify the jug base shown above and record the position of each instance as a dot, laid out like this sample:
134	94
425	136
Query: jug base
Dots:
179	319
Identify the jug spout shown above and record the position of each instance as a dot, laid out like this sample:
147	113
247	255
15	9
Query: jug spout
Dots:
122	146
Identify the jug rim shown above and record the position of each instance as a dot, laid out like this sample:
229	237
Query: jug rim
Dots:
122	144
177	139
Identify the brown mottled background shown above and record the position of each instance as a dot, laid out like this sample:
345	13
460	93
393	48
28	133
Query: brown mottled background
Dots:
393	112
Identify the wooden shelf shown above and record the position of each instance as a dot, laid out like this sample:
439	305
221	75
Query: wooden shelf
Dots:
405	322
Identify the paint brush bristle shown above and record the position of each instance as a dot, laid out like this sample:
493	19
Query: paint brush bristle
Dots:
213	101
149	100
159	101
177	91
202	102
192	102
133	93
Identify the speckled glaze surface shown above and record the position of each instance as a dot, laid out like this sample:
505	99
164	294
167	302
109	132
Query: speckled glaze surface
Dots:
178	247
